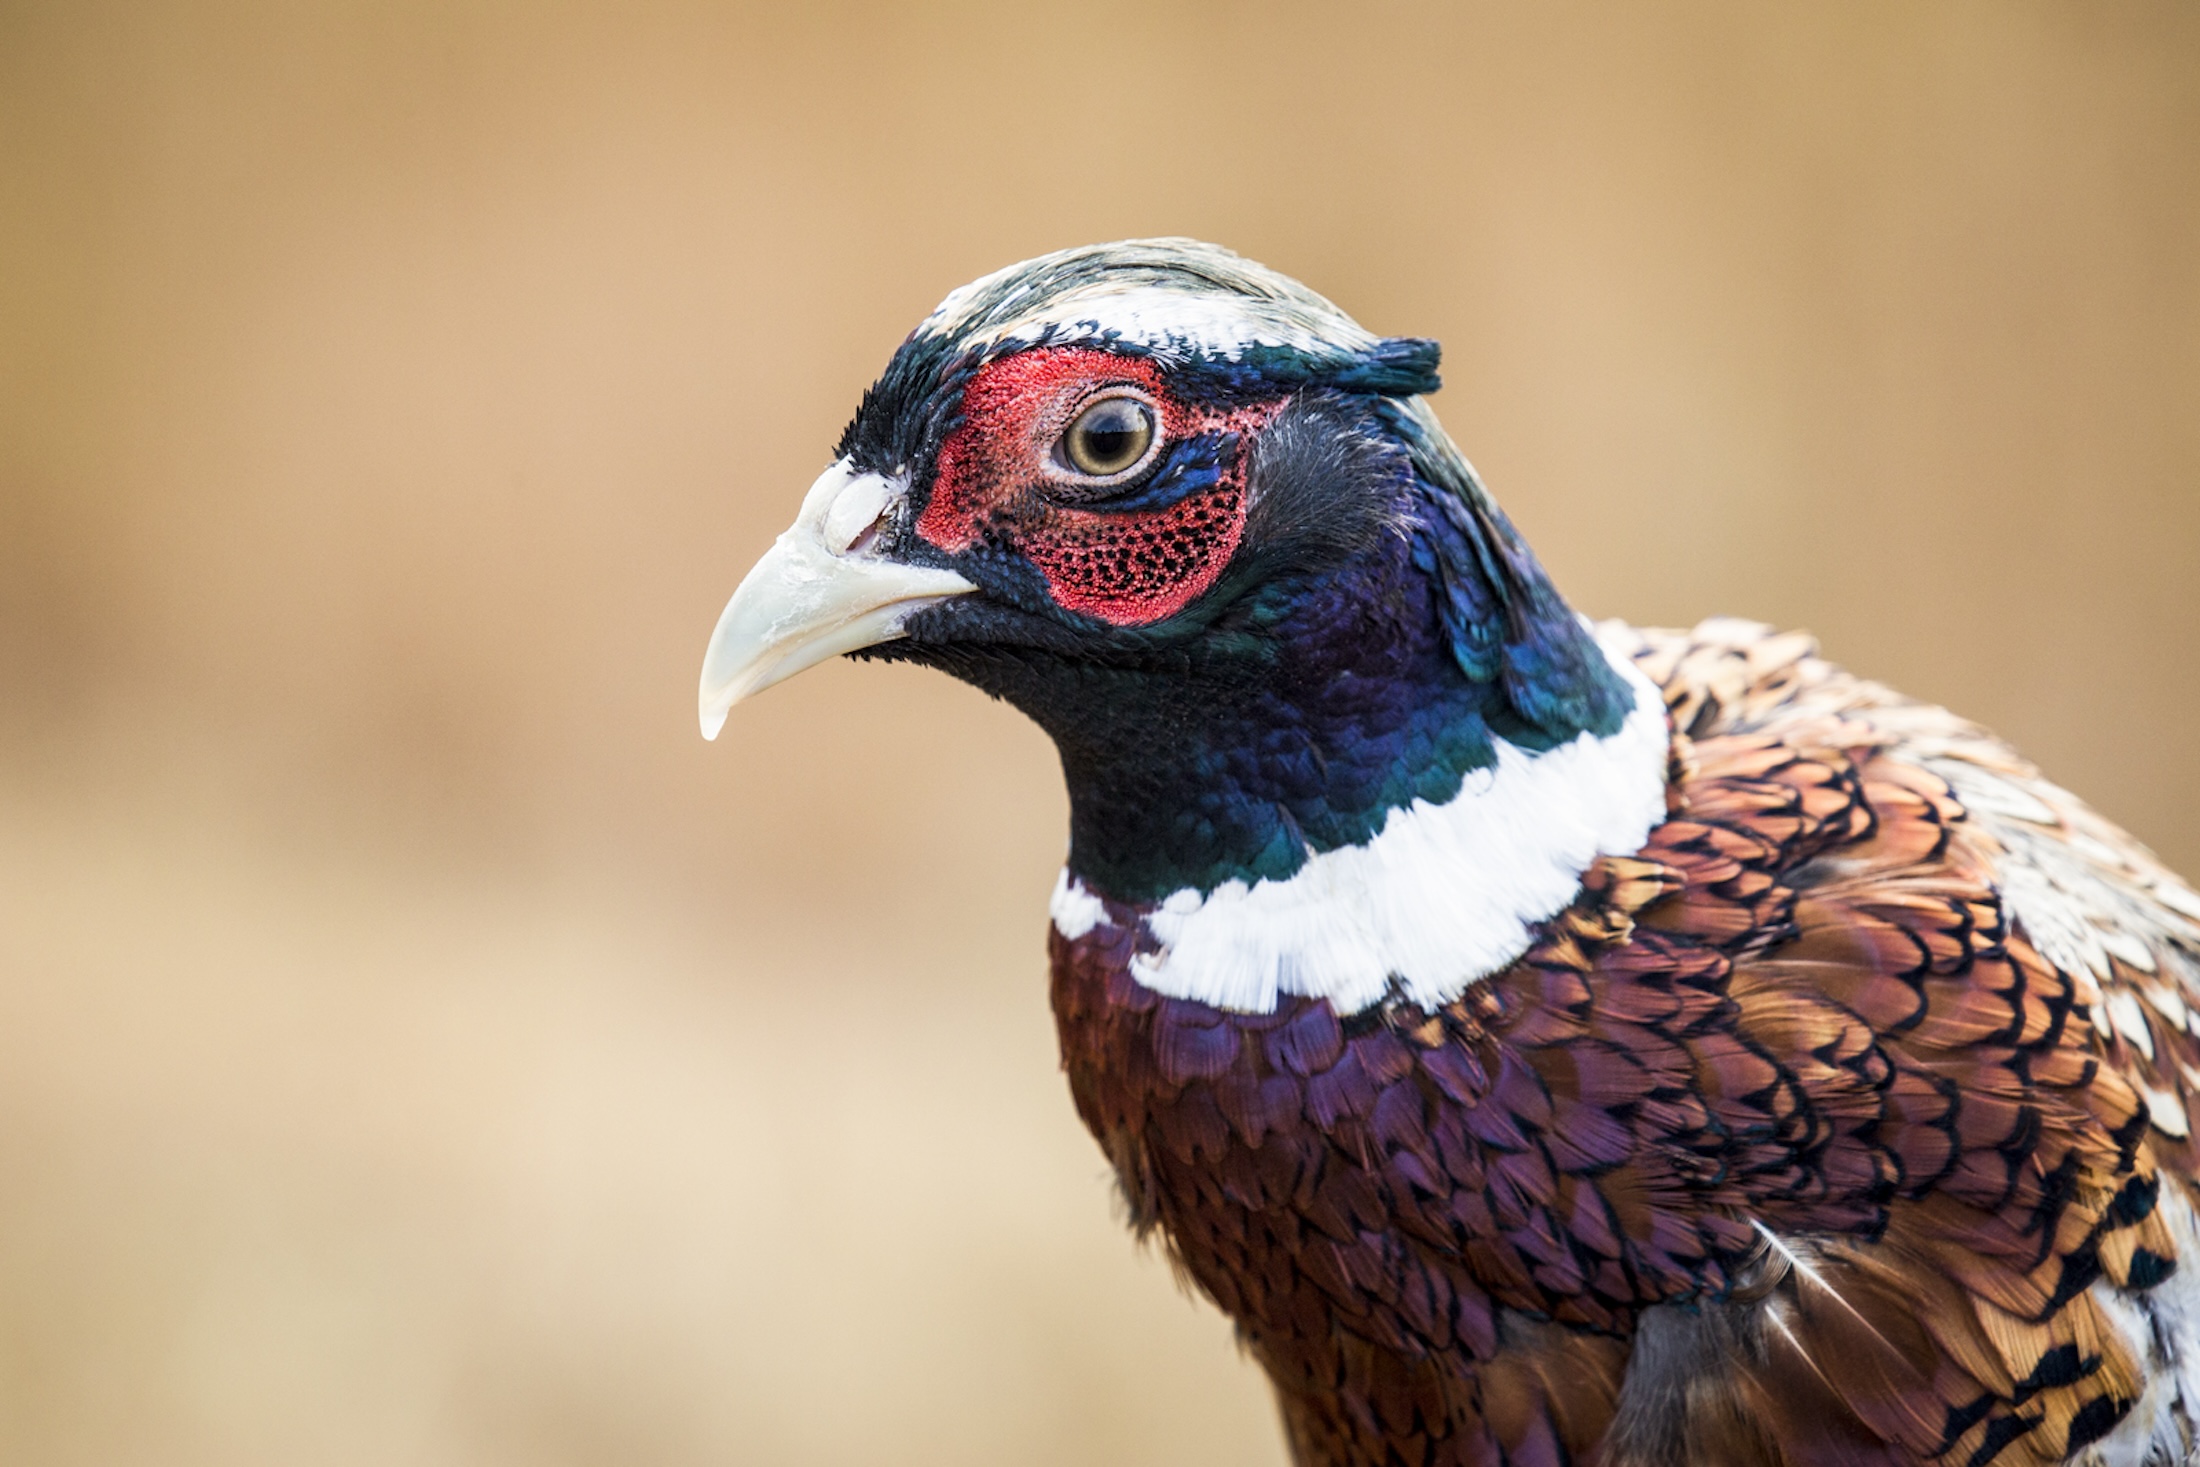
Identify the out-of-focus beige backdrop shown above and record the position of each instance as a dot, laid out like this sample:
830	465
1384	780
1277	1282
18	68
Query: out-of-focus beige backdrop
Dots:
417	1045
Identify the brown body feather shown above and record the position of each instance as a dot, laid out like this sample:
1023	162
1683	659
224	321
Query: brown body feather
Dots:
1846	1122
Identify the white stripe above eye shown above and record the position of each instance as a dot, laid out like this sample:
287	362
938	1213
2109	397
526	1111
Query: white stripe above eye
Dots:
1171	322
1440	898
1174	297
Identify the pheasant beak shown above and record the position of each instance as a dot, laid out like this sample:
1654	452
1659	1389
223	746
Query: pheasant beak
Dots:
821	590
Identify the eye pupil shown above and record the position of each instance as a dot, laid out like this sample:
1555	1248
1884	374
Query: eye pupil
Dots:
1110	436
1112	439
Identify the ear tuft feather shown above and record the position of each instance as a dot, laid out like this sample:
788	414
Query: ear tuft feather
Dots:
1396	366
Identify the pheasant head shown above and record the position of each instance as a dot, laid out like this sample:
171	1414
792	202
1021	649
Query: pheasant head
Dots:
1205	530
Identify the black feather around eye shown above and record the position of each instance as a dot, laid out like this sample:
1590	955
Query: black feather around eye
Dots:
1186	467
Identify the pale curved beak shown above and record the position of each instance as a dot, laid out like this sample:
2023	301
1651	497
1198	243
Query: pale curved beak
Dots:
818	592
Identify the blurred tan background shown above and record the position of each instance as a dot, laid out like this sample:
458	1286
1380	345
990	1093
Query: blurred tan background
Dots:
417	1046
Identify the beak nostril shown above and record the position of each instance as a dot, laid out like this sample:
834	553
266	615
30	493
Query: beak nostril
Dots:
854	514
868	538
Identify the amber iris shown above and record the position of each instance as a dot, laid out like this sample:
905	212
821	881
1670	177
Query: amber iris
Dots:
1109	437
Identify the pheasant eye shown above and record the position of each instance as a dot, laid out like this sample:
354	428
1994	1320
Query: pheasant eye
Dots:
1109	438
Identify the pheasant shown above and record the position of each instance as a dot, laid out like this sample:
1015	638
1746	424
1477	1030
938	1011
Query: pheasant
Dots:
1547	1041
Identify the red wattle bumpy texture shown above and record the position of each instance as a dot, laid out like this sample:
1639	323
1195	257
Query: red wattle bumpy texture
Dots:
1127	567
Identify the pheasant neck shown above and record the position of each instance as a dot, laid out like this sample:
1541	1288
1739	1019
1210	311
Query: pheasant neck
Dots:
1346	812
1441	893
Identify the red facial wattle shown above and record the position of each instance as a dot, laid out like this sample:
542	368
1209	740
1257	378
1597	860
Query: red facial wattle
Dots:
1129	567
